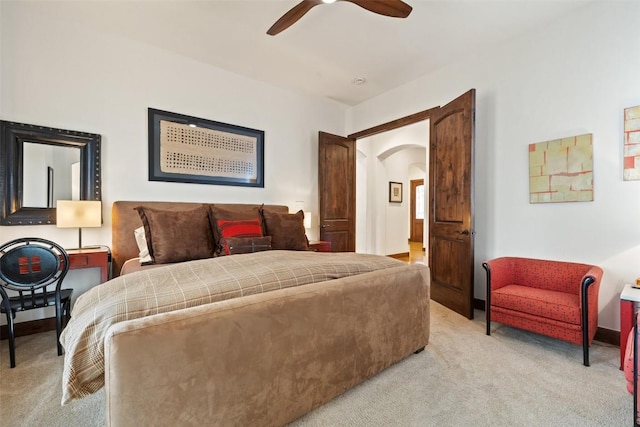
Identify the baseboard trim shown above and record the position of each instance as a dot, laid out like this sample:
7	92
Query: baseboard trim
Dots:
30	327
603	335
400	255
478	304
607	336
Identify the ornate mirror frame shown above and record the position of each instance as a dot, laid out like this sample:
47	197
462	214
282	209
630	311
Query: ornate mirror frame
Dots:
12	139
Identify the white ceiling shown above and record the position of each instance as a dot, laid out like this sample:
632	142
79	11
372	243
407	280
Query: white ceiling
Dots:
331	45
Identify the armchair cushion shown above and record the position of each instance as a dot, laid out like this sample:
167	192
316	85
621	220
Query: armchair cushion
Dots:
561	306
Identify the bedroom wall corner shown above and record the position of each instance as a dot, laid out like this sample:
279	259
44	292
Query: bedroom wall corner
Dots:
100	82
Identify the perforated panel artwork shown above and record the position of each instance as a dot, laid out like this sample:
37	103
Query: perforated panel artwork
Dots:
200	151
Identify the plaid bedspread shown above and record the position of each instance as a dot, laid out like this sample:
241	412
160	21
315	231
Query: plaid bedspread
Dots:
183	285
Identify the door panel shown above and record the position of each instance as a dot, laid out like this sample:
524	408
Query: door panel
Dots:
443	248
451	204
336	185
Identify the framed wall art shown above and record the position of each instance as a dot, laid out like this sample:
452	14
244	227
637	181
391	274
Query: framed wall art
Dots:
631	168
190	149
561	170
395	192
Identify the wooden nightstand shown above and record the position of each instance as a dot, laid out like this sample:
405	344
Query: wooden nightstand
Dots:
92	257
320	246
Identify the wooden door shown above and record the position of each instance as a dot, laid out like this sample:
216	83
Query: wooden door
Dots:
417	211
337	189
451	204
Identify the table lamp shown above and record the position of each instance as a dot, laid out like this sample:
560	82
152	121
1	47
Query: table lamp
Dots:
78	213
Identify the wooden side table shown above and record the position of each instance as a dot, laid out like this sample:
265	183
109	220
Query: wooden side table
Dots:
629	303
320	246
92	257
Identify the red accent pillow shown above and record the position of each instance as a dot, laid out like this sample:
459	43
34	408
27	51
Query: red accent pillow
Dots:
238	228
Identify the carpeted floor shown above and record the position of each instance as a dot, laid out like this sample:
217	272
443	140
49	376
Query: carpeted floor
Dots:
463	378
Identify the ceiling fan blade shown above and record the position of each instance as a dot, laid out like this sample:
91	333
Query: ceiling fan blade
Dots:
290	18
393	8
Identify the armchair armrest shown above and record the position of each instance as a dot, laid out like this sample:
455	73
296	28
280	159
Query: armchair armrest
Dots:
590	289
500	272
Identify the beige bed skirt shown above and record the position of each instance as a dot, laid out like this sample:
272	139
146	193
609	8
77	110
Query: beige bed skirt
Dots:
267	359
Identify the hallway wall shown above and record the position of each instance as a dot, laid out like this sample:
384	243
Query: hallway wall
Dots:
382	227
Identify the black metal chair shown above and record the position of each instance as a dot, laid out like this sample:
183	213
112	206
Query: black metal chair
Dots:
31	268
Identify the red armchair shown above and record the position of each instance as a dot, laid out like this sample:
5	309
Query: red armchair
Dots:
553	298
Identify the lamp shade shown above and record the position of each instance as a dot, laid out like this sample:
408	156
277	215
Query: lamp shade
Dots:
78	213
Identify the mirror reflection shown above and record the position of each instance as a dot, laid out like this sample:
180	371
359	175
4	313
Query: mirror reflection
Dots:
50	173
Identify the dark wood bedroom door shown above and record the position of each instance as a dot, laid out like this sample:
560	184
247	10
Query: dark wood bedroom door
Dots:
451	204
337	190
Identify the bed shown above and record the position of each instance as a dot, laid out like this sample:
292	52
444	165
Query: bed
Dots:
257	338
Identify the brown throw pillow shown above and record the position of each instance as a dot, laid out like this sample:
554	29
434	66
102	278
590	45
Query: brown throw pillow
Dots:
228	213
175	236
286	230
245	245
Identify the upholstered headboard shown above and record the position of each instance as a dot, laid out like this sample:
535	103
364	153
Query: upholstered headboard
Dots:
125	219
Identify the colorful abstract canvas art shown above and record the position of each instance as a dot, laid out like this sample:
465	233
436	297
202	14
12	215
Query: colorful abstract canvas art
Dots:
631	168
561	170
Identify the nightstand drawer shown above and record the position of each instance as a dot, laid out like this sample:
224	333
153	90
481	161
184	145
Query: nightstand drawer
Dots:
91	258
78	261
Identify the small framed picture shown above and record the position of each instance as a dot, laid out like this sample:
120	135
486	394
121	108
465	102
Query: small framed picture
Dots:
395	192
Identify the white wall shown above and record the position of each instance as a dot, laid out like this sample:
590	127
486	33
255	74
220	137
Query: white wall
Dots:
362	199
575	76
67	75
383	227
397	218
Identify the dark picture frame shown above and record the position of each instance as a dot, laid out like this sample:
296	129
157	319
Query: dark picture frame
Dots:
395	192
213	141
13	136
49	187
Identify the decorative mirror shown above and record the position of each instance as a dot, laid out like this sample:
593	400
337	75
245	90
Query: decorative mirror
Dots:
39	165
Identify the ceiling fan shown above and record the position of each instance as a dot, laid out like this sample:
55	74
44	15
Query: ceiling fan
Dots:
393	8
